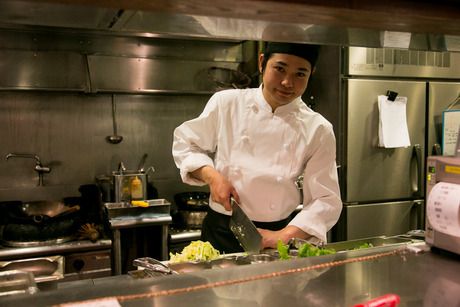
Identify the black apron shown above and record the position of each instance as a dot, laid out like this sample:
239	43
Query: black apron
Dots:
216	230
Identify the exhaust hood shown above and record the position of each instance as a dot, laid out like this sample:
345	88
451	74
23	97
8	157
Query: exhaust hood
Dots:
216	25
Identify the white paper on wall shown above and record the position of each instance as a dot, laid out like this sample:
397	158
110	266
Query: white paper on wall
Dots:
393	131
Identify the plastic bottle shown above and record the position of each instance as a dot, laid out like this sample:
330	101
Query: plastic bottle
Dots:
136	189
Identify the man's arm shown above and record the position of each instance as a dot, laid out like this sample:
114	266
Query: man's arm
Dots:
221	189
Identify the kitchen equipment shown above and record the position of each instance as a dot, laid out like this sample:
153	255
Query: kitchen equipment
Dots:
114	138
37	211
226	78
123	183
443	193
384	184
244	229
153	266
192	209
15	282
44	268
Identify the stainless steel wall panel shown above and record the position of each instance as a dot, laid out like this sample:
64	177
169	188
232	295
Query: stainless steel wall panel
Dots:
68	130
393	218
146	75
49	70
391	62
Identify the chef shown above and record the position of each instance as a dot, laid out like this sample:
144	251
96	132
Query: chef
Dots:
253	144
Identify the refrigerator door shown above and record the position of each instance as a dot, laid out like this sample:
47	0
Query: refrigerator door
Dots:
441	95
373	173
377	219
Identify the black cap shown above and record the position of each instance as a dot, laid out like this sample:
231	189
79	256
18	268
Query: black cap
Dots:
306	51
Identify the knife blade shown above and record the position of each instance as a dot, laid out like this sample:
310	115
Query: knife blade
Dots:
244	229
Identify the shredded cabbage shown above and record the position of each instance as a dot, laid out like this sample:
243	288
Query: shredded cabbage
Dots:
195	251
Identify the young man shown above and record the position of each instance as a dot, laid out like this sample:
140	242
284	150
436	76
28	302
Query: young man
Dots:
253	144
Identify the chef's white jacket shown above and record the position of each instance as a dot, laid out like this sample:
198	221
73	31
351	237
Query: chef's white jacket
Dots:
262	153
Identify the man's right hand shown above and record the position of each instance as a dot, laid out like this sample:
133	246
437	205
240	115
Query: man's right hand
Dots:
221	189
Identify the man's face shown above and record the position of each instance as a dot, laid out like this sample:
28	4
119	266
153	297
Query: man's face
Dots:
285	78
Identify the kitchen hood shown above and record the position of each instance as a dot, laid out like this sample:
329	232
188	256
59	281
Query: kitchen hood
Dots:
328	24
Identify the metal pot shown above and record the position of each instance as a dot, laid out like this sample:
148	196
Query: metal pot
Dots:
192	201
192	219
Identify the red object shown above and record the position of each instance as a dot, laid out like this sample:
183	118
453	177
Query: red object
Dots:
387	300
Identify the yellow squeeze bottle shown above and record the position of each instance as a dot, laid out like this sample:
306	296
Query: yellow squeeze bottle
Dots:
136	189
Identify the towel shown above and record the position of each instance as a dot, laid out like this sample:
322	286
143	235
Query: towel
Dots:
393	130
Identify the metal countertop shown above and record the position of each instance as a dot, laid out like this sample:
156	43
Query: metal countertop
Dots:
344	279
71	246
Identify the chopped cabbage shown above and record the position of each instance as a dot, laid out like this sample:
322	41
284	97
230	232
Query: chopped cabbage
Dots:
195	251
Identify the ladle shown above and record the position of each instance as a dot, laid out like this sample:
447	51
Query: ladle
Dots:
115	138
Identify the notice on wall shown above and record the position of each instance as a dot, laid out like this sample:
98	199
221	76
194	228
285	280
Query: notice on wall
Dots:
443	207
450	127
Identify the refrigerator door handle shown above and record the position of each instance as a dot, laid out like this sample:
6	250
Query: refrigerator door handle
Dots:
416	215
417	182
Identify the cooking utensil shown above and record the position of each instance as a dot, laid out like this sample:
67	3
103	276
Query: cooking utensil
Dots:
140	169
152	265
226	78
114	138
38	211
244	229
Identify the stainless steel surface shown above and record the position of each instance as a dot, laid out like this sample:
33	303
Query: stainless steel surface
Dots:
146	75
39	168
31	70
419	279
326	25
114	138
7	253
16	282
375	173
124	216
44	269
152	265
177	235
375	219
244	229
61	118
122	181
392	62
157	208
59	240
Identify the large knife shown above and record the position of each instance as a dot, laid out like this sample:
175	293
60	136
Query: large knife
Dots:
244	229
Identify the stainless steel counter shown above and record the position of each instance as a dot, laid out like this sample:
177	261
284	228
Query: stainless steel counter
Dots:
344	279
7	253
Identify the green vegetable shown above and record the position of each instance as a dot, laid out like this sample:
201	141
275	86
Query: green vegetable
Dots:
364	245
195	251
283	250
305	250
309	250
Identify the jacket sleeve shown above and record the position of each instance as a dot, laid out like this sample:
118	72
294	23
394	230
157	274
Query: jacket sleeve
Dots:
195	141
321	193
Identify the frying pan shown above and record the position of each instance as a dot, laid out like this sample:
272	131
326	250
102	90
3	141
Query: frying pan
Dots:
37	211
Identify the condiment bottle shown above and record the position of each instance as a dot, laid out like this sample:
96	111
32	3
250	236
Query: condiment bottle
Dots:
136	189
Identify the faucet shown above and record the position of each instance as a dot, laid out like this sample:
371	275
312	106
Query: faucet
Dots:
39	168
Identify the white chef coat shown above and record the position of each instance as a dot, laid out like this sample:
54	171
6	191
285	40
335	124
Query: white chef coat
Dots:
262	153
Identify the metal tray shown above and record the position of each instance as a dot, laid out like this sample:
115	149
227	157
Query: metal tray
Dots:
43	269
15	282
126	209
375	241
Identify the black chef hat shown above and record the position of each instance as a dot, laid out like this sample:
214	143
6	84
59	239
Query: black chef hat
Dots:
308	52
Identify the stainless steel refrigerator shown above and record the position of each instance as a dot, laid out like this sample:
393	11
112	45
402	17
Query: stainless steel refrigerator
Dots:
383	189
